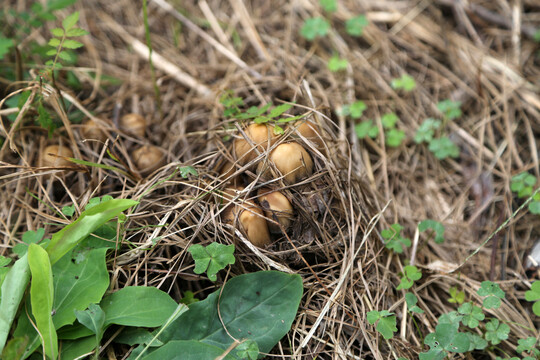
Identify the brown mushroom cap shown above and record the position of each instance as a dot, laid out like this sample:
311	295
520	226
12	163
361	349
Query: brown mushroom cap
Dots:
310	131
291	160
92	130
250	219
261	135
148	158
134	124
275	203
52	156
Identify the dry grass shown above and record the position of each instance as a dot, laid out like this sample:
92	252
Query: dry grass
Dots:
479	53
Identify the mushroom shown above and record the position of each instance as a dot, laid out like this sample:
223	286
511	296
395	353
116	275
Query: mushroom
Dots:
276	207
310	131
260	135
92	130
54	156
148	158
248	217
134	124
291	160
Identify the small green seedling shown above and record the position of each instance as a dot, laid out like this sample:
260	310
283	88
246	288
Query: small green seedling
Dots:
528	345
366	129
386	325
63	40
446	339
450	109
426	131
93	318
355	26
456	297
212	258
185	171
472	314
329	6
435	226
493	292
315	27
534	295
355	110
496	331
411	301
29	237
409	276
523	184
443	148
393	136
189	298
336	64
394	240
405	82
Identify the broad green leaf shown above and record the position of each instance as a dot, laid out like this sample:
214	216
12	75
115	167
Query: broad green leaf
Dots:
74	332
70	20
73	349
248	350
212	258
94	319
79	280
13	289
25	328
187	350
29	237
259	306
15	348
72	44
476	342
133	336
373	316
411	301
41	295
387	326
138	306
67	238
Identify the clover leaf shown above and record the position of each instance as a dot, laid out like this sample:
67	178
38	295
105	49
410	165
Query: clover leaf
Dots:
496	331
410	275
472	314
493	292
386	325
212	258
534	295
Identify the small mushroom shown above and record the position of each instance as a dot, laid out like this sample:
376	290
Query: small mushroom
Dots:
134	124
276	207
310	131
250	219
92	130
54	156
261	135
148	158
291	160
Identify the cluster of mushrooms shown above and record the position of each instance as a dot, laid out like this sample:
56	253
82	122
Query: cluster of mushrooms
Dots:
277	160
146	158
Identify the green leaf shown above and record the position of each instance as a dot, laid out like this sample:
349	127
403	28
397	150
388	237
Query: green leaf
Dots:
365	129
410	275
94	319
13	289
59	4
411	301
259	306
51	52
15	348
394	137
212	258
426	131
248	349
329	5
476	342
58	33
357	108
278	130
5	45
79	280
456	297
72	44
279	110
66	239
443	148
41	295
448	338
472	315
54	42
187	350
534	295
394	240
534	207
526	344
355	26
373	316
68	210
44	119
70	20
138	306
336	63
450	109
133	336
523	184
493	292
76	32
29	237
496	332
65	56
435	226
389	120
185	171
74	349
405	82
314	27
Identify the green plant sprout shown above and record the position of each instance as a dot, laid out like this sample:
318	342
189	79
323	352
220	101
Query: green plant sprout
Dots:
443	148
405	82
450	109
472	314
393	136
315	27
394	240
386	322
29	237
493	294
528	345
456	297
329	6
435	226
409	276
534	295
211	259
336	64
185	171
496	331
355	110
62	40
426	131
411	301
355	25
365	129
523	184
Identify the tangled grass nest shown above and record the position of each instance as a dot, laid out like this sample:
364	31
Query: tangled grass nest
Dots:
475	53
